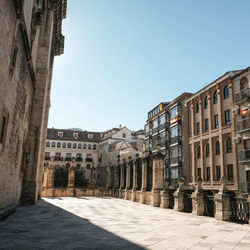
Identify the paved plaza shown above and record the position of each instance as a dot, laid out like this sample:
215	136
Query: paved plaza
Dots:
109	223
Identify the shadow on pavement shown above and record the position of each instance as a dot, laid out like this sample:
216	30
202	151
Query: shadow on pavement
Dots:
45	226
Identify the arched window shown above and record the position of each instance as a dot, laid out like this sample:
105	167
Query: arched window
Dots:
47	144
215	97
84	146
226	92
217	148
94	147
243	83
74	145
69	145
198	152
53	144
206	102
229	145
207	150
79	145
64	145
89	146
197	108
58	144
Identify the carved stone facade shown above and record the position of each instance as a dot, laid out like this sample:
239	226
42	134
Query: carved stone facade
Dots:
30	32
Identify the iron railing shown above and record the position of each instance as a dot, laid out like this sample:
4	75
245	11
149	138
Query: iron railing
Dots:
187	202
47	158
88	160
242	95
58	158
68	159
244	156
79	159
240	209
209	205
80	179
61	177
243	125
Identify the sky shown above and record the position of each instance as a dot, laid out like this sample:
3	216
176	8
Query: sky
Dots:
124	57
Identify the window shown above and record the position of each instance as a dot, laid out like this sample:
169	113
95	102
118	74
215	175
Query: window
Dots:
74	145
207	150
53	144
226	92
206	102
84	146
69	145
89	146
123	135
206	125
208	174
147	130
197	107
243	83
230	173
217	148
162	119
227	117
90	136
155	125
94	147
198	129
47	144
216	121
64	145
175	173
215	97
79	145
58	144
229	145
75	135
174	112
198	152
218	173
88	166
60	134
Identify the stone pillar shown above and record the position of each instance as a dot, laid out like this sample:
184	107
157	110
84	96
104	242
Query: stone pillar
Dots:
93	177
142	193
50	191
127	192
179	196
165	197
248	202
45	175
158	178
108	184
135	174
116	176
71	179
222	202
198	198
121	180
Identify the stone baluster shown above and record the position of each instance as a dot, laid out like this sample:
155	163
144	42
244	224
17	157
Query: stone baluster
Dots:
222	202
198	198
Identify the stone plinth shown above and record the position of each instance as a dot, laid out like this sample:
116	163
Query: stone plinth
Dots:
155	198
142	196
133	196
165	199
179	196
198	198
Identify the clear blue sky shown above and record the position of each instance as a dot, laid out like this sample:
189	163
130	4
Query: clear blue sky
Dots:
123	57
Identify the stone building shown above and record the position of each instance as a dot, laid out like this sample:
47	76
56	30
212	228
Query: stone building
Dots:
67	148
30	38
211	133
241	113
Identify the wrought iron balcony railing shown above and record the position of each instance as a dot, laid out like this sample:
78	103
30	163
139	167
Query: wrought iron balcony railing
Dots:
79	159
47	158
88	160
242	95
58	158
243	125
244	156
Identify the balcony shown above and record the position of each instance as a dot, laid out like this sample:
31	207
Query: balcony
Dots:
47	158
175	140
242	95
175	161
244	156
88	159
68	159
58	158
243	125
79	159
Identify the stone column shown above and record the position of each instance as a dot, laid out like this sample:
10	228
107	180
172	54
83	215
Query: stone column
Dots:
93	177
108	184
222	202
158	179
45	175
142	193
198	199
71	179
248	202
127	192
121	180
135	174
50	191
179	196
165	196
116	176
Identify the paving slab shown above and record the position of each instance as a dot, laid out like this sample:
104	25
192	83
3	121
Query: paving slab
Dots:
99	223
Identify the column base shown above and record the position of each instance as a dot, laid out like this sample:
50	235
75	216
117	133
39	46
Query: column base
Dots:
142	196
223	206
155	198
164	199
134	193
178	201
198	203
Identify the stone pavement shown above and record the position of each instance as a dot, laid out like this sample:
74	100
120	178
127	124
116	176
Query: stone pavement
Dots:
109	223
